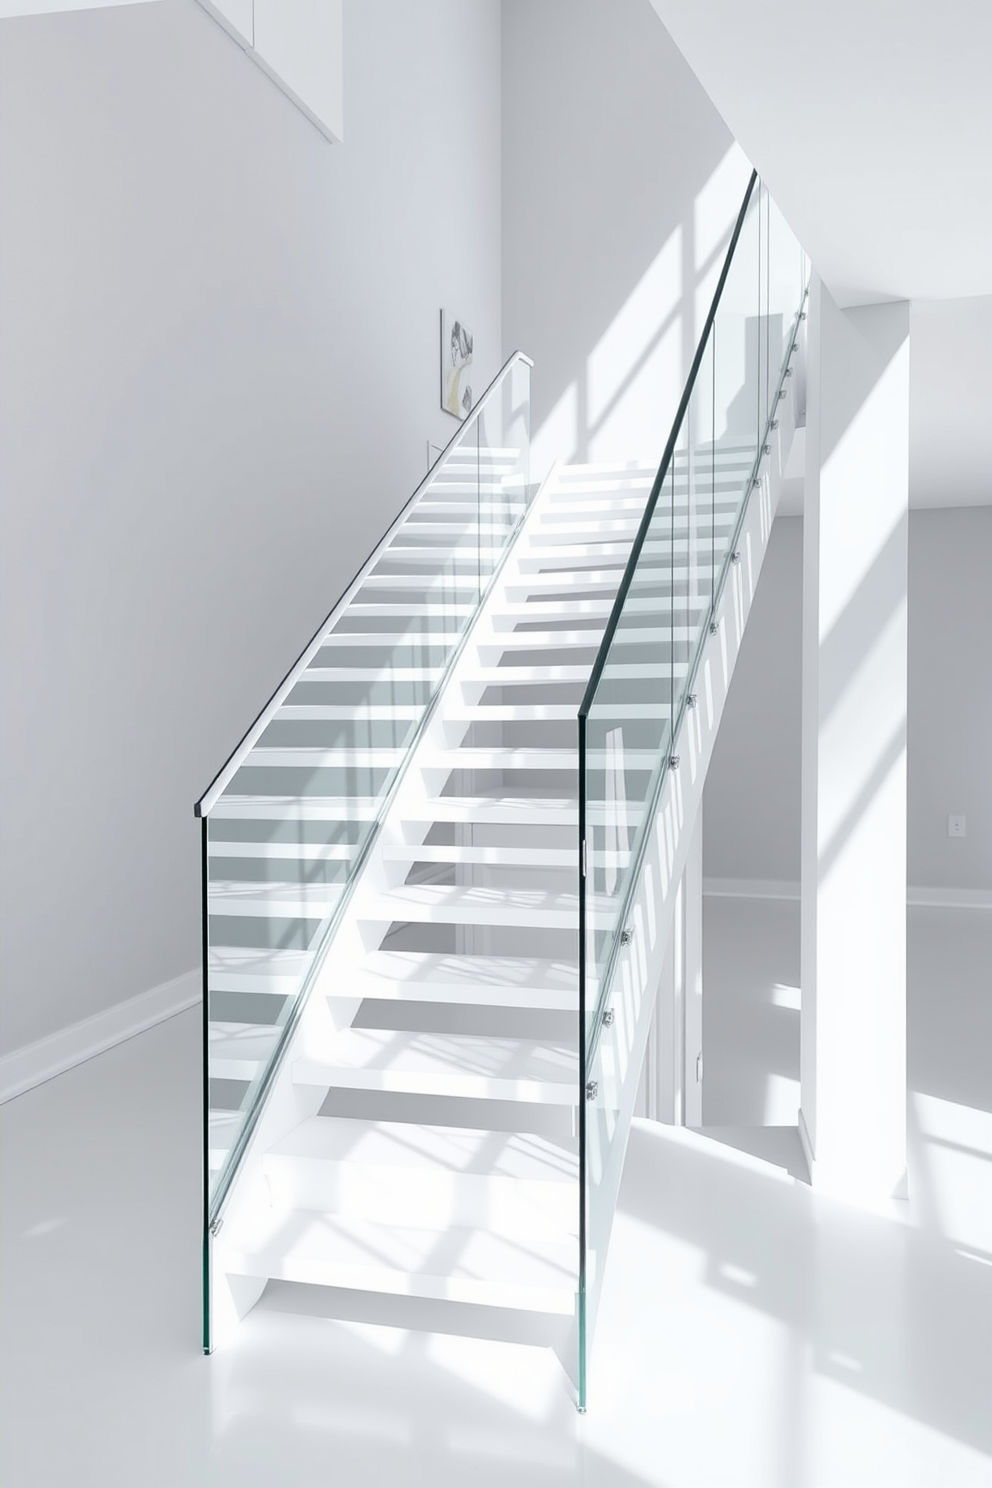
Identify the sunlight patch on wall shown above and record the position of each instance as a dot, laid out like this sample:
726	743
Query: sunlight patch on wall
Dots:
781	1100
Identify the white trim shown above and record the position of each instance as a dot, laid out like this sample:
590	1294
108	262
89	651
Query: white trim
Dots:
35	1063
750	888
949	898
774	888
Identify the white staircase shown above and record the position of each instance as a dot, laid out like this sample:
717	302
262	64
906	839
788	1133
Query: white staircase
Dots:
422	1136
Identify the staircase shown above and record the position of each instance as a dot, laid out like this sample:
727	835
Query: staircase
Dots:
398	1015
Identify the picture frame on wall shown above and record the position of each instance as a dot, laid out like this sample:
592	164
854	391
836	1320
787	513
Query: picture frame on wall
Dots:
457	343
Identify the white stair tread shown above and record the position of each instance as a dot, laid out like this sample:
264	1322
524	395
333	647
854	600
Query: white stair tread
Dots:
541	639
496	758
640	634
522	810
427	1177
374	611
289	900
238	1051
494	810
474	905
456	1264
658	546
359	713
368	672
461	1065
484	981
295	808
245	962
429	520
391	639
515	676
550	609
511	712
305	757
468	1152
563	712
469	552
310	852
619	527
534	857
423	583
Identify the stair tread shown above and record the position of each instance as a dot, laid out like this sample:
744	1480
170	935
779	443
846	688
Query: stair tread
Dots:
466	1152
294	808
372	638
525	981
443	1062
456	1263
237	1051
503	855
474	905
317	852
370	673
292	900
268	757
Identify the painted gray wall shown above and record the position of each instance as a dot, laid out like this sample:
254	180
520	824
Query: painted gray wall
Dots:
950	696
620	186
218	374
751	817
751	802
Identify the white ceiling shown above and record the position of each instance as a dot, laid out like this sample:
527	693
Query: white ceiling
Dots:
870	121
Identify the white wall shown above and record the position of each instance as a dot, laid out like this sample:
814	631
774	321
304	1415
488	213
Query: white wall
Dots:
218	374
620	187
752	792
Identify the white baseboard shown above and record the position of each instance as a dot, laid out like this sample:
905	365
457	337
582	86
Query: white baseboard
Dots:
916	897
750	888
22	1069
949	898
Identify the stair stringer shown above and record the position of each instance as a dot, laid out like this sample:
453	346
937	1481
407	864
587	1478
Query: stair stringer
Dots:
633	988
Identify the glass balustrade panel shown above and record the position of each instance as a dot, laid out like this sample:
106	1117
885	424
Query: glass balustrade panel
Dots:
644	681
288	833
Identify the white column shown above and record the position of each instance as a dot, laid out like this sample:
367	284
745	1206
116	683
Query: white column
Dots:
853	1019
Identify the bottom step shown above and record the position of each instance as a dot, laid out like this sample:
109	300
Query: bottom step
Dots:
455	1264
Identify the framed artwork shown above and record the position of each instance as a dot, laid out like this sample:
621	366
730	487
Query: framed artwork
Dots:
456	366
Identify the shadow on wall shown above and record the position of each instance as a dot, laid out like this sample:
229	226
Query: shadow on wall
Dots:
622	401
621	187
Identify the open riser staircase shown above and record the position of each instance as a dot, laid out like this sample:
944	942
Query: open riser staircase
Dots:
419	1087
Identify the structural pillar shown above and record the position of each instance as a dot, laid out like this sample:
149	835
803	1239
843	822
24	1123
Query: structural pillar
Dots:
853	1019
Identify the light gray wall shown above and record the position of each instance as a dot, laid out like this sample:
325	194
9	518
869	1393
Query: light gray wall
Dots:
751	802
751	814
950	696
218	374
620	186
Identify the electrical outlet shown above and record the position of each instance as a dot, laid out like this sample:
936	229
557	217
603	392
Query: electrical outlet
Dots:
956	826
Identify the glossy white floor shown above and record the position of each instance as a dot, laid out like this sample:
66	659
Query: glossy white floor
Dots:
750	1334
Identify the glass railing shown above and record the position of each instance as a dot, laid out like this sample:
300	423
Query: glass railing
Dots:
644	675
289	820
